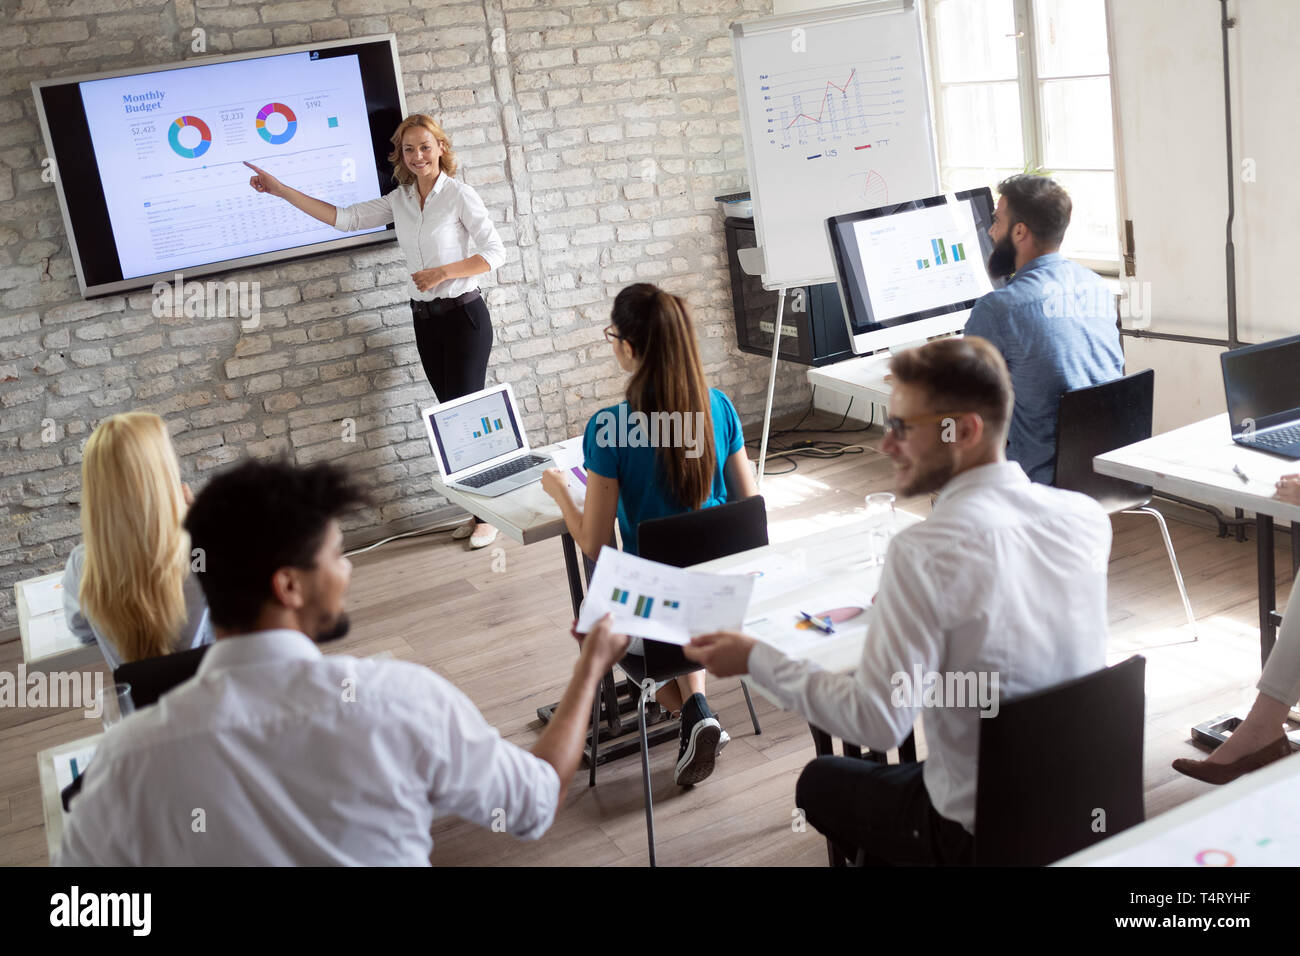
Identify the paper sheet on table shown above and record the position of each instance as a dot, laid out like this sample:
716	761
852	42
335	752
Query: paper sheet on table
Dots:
785	628
662	603
71	765
1260	829
777	574
569	459
43	596
49	634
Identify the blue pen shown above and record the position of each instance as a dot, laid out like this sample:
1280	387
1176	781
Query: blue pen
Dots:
824	626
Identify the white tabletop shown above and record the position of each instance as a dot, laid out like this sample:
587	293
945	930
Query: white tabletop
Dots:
1196	462
48	643
838	561
860	378
1250	822
527	514
51	765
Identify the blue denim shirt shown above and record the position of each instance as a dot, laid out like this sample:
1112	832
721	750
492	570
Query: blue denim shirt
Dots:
1054	323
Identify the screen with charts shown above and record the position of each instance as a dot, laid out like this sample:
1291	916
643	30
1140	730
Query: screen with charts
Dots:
167	150
477	431
913	260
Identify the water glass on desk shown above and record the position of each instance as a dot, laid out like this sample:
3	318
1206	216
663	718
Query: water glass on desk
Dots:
880	510
115	703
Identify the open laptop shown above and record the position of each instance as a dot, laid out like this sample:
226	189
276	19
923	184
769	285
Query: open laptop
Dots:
1263	391
479	444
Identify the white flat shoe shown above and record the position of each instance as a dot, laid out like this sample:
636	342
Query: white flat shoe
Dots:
483	540
464	531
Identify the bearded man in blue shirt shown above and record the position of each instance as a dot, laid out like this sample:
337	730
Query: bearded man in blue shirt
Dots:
1054	322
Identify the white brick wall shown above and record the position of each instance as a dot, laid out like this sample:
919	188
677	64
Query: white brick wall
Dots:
597	134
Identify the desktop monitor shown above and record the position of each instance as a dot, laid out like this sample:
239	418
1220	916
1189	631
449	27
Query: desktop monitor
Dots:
914	269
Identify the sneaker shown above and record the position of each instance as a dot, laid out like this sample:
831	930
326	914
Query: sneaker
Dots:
698	750
482	540
464	531
724	738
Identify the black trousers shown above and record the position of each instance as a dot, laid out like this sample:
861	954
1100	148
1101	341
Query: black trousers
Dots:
454	341
882	809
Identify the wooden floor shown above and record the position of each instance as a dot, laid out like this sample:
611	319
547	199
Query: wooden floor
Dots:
495	622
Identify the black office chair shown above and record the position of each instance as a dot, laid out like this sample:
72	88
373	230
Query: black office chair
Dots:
155	676
1100	418
681	541
1061	769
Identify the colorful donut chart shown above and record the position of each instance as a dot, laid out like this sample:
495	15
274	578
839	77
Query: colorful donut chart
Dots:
174	137
290	128
1215	858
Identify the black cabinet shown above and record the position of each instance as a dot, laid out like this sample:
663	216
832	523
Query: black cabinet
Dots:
813	330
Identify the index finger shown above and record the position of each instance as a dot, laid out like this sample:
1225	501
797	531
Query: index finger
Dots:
251	166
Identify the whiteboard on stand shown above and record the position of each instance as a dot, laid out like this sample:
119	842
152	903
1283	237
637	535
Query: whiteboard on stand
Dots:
835	113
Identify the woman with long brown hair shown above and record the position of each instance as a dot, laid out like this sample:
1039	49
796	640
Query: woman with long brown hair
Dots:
448	239
673	445
128	585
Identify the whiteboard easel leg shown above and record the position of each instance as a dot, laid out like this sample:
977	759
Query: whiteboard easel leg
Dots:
771	386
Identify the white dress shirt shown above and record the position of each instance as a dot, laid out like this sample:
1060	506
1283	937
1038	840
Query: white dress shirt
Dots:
275	754
1005	576
453	225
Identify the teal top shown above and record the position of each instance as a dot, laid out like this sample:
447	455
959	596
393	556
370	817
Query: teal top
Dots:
622	444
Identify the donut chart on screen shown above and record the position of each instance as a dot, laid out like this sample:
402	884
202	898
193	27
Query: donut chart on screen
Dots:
291	123
174	137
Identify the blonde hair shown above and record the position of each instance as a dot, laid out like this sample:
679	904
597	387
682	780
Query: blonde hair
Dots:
421	121
137	552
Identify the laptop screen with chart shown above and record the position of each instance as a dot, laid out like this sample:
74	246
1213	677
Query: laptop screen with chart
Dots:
472	434
912	269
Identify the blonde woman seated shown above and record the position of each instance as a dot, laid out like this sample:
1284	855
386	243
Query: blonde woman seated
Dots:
128	585
1260	739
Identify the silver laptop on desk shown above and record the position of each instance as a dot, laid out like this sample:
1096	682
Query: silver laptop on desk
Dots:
479	444
1263	392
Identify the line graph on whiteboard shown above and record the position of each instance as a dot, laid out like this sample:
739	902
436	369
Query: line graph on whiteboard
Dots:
831	109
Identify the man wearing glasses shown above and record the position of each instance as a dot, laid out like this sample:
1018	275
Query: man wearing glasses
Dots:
1002	588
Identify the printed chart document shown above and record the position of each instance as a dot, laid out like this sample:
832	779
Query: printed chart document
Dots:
662	603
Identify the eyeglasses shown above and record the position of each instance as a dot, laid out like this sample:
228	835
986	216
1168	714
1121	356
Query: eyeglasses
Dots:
611	335
899	427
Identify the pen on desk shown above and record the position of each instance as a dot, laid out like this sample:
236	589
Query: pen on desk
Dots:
1236	470
824	626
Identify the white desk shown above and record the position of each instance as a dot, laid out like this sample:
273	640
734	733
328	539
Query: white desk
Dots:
48	644
1249	822
527	514
1196	462
861	379
54	766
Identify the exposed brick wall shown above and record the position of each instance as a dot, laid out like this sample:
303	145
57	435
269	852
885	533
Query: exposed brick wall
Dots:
597	134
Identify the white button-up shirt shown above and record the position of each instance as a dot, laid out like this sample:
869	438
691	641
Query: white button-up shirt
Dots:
453	225
274	754
1006	577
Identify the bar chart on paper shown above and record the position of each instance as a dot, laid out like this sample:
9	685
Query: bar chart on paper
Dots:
662	603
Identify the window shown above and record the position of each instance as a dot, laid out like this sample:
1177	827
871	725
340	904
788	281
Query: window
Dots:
1025	84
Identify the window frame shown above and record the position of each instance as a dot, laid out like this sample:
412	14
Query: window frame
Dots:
1031	120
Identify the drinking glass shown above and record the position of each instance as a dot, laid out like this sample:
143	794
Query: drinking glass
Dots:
115	703
880	509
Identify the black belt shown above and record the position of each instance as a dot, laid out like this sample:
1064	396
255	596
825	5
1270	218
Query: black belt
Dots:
439	306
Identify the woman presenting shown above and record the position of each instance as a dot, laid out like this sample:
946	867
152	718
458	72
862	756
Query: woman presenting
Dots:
438	220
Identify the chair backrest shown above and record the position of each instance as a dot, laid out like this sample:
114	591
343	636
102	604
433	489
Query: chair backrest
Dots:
1061	769
154	676
693	538
1100	418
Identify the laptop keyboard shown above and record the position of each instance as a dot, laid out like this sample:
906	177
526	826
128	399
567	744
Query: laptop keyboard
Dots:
502	471
1280	438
